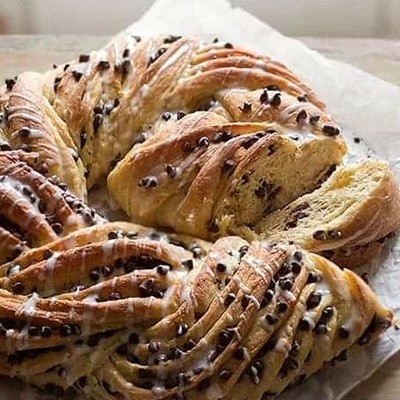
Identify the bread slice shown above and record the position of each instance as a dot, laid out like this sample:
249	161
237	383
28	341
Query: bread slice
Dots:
257	164
357	205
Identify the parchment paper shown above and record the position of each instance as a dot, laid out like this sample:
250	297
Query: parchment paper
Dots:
363	105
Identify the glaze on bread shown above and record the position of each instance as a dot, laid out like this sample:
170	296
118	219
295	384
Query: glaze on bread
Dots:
203	140
131	316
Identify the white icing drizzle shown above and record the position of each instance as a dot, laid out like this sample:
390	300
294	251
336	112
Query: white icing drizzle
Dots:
144	90
283	346
174	58
14	270
23	97
28	307
25	116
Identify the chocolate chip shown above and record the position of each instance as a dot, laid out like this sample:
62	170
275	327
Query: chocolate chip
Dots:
313	300
45	331
319	235
171	170
166	116
47	254
327	314
213	226
304	325
357	140
33	331
225	136
268	295
97	121
271	319
107	270
137	38
301	116
188	264
125	68
255	371
146	287
302	98
115	296
171	39
212	356
103	65
221	267
281	307
225	374
182	329
245	301
94	275
98	109
134	338
321	329
24	132
228	45
203	142
66	330
246	107
84	58
83	138
10	83
313	277
285	283
228	165
18	288
276	100
77	75
4	146
230	298
148	182
264	97
295	267
239	353
180	115
162	269
260	192
343	333
225	337
330	130
198	370
314	119
365	277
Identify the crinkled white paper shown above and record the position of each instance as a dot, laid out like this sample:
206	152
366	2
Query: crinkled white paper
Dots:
363	106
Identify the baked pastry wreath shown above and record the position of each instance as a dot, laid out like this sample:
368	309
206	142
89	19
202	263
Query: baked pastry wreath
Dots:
205	140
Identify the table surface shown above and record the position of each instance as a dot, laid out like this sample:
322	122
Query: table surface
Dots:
378	57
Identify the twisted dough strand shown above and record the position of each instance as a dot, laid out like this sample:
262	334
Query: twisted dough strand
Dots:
134	316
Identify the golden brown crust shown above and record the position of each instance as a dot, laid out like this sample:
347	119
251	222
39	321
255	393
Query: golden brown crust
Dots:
35	210
118	311
128	315
354	256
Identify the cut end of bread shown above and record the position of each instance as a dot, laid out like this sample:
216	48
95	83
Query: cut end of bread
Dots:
357	205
